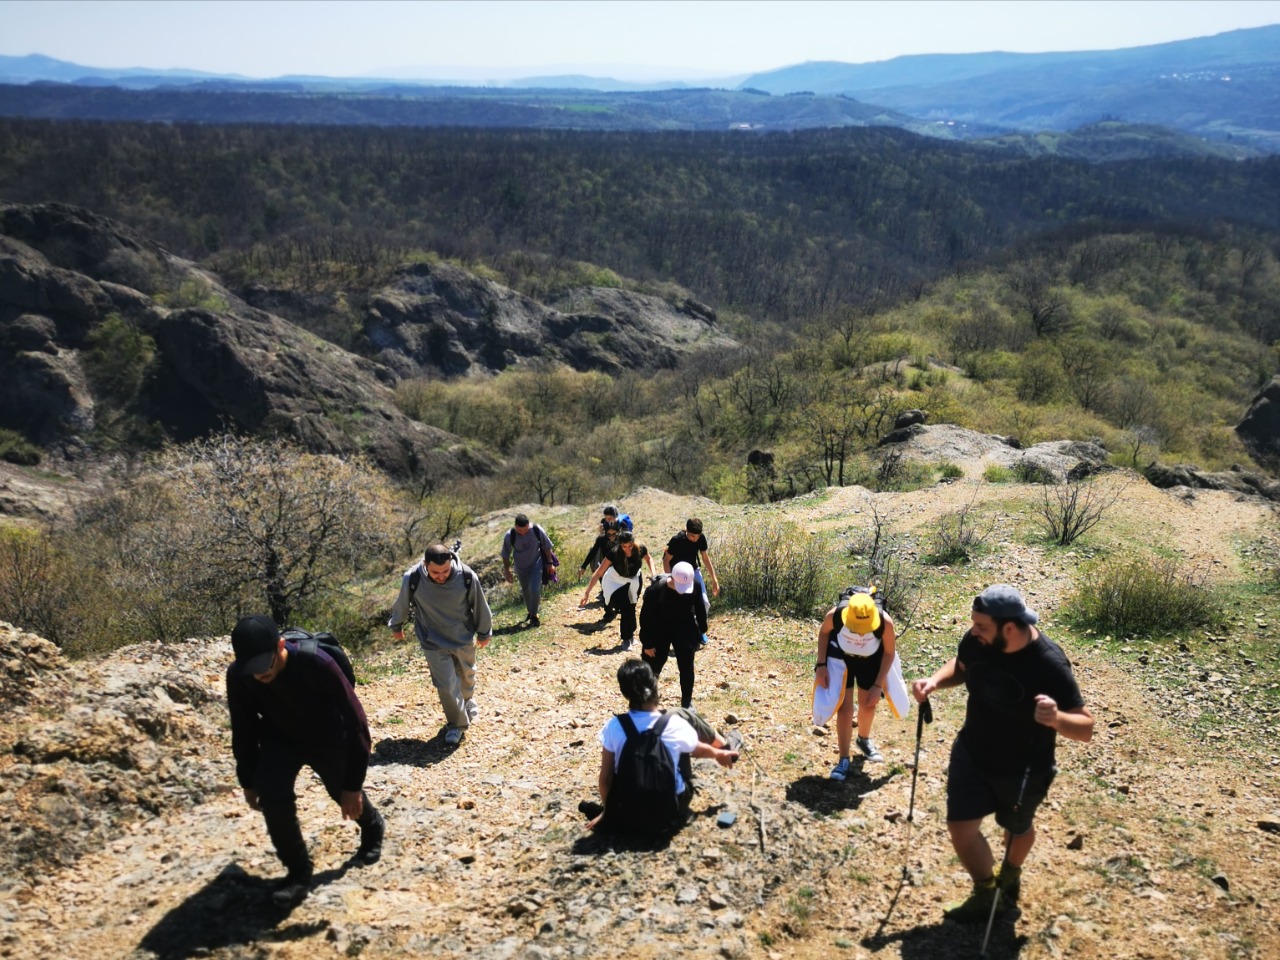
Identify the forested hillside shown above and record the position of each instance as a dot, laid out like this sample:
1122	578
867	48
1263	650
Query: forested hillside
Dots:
780	227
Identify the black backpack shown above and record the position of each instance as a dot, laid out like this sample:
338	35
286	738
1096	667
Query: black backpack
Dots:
309	643
415	575
843	601
642	799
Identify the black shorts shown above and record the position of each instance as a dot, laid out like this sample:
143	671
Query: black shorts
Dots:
972	794
864	671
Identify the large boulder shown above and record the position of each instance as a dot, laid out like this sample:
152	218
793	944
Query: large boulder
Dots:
1260	428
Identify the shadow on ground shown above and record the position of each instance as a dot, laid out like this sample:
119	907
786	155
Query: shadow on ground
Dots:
948	940
234	908
411	751
826	796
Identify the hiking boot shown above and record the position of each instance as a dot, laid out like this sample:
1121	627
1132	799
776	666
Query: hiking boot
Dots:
292	889
977	907
534	621
472	710
609	614
453	736
1009	880
627	644
869	749
370	850
841	769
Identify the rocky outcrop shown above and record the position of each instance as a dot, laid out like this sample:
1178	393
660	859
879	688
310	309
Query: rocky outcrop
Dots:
1234	481
218	363
438	318
1260	428
1054	461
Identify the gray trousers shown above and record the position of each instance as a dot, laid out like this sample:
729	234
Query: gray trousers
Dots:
531	589
453	673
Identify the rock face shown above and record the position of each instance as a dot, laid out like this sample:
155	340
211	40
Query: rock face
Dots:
218	362
438	318
1055	460
1233	481
1260	428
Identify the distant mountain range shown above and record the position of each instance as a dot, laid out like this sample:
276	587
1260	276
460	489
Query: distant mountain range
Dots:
1221	92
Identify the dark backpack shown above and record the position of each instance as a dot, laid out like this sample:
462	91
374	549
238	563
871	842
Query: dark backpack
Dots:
642	799
309	643
624	522
549	558
843	601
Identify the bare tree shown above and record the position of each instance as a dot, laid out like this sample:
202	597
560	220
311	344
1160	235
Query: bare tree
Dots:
1070	510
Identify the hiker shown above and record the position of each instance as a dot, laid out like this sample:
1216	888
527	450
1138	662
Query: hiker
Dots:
452	621
291	709
603	543
619	578
673	616
861	637
632	806
535	561
691	546
1021	696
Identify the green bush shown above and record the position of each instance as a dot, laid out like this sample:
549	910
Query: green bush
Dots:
1144	597
773	566
949	471
1028	471
997	473
14	448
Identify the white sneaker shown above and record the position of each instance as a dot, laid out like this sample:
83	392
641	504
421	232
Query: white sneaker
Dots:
453	736
472	710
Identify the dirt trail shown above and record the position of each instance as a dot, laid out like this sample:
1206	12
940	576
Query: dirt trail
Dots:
486	856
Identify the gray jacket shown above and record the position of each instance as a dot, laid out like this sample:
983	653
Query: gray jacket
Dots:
446	616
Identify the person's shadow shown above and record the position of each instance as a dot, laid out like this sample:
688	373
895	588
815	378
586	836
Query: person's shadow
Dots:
948	940
411	751
233	908
825	796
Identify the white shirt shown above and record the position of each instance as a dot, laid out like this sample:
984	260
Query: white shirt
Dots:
857	644
677	736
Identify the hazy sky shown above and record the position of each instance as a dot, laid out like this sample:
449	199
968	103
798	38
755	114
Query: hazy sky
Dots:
620	38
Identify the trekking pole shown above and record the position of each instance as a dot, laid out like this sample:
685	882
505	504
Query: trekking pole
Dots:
925	716
995	901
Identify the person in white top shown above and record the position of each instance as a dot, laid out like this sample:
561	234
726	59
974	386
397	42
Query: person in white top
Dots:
685	735
858	632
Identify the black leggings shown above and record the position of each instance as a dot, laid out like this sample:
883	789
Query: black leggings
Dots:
684	647
620	602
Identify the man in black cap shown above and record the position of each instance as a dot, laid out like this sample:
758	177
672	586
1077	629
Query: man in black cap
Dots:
1021	696
289	709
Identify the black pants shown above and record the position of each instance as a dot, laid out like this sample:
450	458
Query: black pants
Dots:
279	763
684	647
620	603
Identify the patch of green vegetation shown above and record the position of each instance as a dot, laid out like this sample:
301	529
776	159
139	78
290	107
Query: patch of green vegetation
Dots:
16	449
998	473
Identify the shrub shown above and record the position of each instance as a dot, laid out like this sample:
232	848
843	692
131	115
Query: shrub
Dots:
1070	510
773	566
1028	471
997	473
949	471
36	585
881	560
1144	597
14	448
957	537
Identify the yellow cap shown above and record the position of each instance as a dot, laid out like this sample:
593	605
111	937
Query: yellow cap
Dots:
861	615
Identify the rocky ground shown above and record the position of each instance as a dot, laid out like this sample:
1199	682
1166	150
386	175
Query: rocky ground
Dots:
124	836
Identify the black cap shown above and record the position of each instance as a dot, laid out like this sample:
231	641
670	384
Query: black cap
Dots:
254	641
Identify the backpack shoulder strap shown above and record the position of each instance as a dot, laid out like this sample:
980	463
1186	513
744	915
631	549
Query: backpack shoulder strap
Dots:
661	725
415	578
309	646
628	726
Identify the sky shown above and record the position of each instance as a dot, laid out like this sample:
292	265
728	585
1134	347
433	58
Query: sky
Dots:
624	39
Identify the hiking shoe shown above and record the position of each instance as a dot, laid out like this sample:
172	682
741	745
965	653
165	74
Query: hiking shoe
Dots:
703	641
869	749
472	710
734	740
1009	880
453	736
609	614
841	769
977	907
627	644
370	850
292	890
534	621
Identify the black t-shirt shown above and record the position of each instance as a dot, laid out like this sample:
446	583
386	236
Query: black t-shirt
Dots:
1000	731
684	550
627	567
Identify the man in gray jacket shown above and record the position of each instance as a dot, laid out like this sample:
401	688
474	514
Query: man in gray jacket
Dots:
451	620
